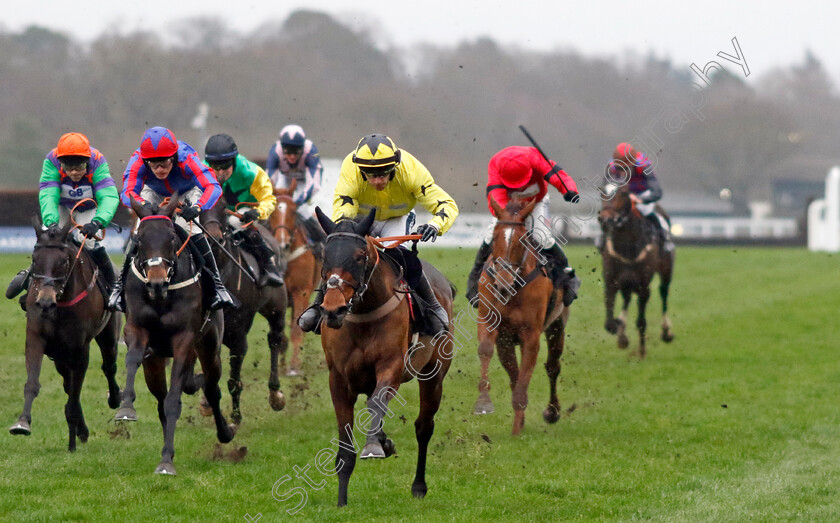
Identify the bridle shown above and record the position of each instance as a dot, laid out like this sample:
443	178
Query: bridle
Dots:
336	282
50	281
156	261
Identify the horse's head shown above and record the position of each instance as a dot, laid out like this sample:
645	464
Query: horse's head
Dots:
283	222
157	244
52	260
617	209
349	260
215	222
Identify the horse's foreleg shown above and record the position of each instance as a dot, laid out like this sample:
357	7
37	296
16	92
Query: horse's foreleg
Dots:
345	459
641	321
611	325
34	358
154	370
108	340
377	444
667	334
238	348
623	341
486	342
530	349
137	340
181	366
300	301
506	347
277	345
208	348
74	376
555	339
424	426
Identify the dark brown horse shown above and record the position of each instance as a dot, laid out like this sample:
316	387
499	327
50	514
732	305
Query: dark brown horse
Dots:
303	268
166	318
367	340
238	275
631	255
64	312
518	302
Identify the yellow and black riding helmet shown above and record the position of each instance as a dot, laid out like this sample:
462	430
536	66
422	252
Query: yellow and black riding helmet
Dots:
377	156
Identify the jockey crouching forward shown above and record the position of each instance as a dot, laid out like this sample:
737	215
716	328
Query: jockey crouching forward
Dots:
72	172
378	175
522	173
295	158
243	181
633	167
161	167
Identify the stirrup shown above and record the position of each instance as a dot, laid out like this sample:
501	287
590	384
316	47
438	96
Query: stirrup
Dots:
116	302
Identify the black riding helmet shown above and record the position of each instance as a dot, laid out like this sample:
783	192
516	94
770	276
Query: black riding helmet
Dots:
220	151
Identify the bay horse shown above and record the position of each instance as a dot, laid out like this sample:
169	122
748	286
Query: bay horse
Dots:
367	340
631	255
166	318
517	302
303	267
64	312
269	301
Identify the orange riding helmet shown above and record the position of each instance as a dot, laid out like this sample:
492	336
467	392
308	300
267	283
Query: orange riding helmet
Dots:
73	144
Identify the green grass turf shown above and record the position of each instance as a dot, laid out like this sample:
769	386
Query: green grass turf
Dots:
736	420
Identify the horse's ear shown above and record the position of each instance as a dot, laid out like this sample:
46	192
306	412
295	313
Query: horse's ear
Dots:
497	209
36	223
326	224
138	209
169	210
367	222
526	210
66	229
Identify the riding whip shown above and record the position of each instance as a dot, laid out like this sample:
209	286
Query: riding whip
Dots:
539	150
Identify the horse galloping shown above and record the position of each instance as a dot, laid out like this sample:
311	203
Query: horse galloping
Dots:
166	318
366	336
269	301
303	266
518	293
631	255
64	312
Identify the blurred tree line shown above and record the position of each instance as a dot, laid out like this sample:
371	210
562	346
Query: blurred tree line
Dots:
451	107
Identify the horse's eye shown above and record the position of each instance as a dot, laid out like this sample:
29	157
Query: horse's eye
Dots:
360	256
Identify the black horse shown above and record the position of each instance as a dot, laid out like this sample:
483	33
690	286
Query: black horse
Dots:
166	317
64	312
631	256
237	268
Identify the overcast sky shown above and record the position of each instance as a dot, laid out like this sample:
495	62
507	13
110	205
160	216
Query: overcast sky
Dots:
771	33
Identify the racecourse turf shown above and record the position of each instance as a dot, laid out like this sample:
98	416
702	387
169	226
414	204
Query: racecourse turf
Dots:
736	420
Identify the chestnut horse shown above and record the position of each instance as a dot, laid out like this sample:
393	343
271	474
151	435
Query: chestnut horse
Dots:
64	312
165	318
303	269
367	341
518	302
269	301
631	256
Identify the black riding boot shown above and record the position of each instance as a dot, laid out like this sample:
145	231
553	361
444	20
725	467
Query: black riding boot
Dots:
101	259
19	283
472	281
663	234
116	301
271	274
563	274
310	319
436	317
222	297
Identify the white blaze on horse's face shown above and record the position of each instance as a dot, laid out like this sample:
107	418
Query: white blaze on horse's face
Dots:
508	234
282	209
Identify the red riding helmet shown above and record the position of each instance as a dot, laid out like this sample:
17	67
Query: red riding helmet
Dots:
515	171
624	151
158	142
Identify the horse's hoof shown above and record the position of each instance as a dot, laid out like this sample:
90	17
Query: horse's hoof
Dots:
389	447
226	436
83	435
484	405
236	418
204	407
293	373
20	428
612	326
126	414
373	450
114	399
167	469
277	400
418	490
667	336
623	341
551	414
